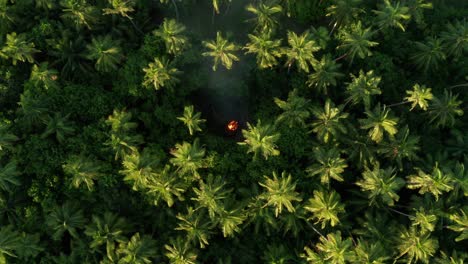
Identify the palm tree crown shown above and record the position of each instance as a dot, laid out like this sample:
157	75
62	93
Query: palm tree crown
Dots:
356	41
265	16
300	50
172	33
266	49
105	51
18	49
160	73
260	140
392	15
222	51
192	120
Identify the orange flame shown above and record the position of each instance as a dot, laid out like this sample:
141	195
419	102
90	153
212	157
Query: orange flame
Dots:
232	125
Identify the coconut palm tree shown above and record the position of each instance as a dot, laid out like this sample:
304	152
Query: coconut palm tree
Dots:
429	54
363	87
138	168
120	7
17	48
222	51
163	185
265	15
417	245
79	13
69	51
106	52
107	229
138	250
325	207
392	15
381	185
191	120
330	165
6	138
260	140
455	38
58	125
180	252
326	73
436	183
328	122
9	242
188	158
211	194
300	50
356	41
65	218
444	110
280	192
379	121
403	146
419	96
267	50
160	73
295	110
335	250
82	170
9	176
343	12
171	32
42	76
198	228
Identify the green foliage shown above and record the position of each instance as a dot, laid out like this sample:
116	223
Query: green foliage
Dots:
260	140
443	110
172	33
266	50
300	50
356	41
82	170
295	109
119	7
363	87
265	13
17	48
106	52
330	165
327	123
108	230
196	227
97	167
455	38
188	158
192	120
222	51
43	76
280	192
180	253
58	125
78	13
460	224
379	121
66	218
429	54
138	250
335	250
392	15
416	245
326	73
435	183
325	207
381	185
419	96
160	73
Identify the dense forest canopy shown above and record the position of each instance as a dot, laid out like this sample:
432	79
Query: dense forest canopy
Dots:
233	131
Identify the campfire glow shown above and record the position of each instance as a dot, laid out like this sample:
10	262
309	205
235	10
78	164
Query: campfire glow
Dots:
232	126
